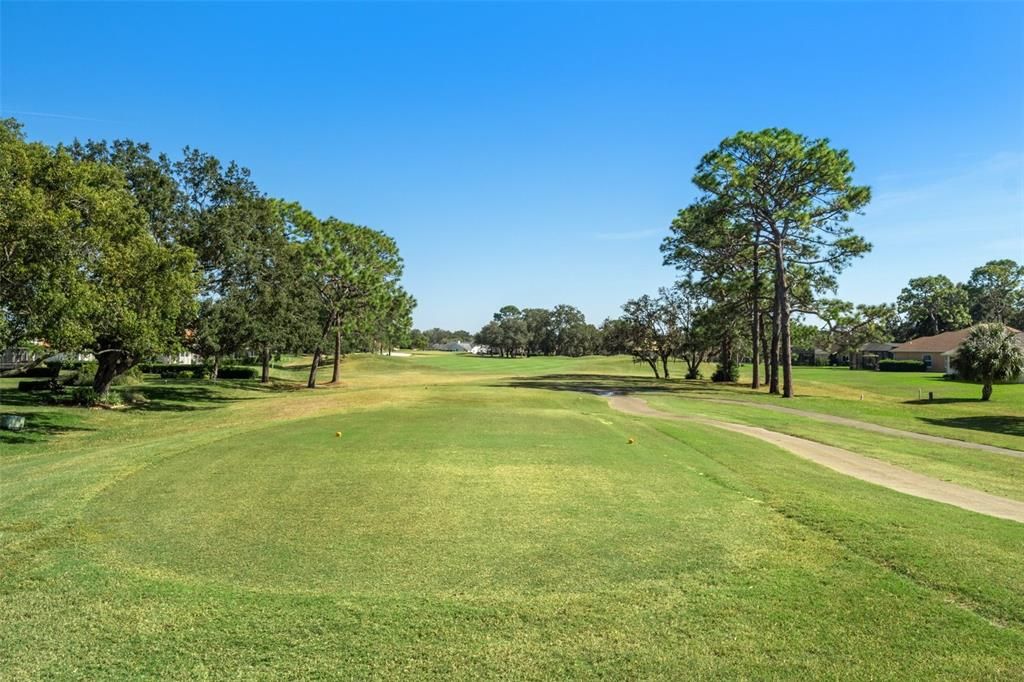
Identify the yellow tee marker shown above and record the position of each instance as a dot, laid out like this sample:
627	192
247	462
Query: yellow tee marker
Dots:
337	434
630	441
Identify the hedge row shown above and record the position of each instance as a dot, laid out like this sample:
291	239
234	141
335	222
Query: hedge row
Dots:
158	368
32	386
39	371
901	366
236	373
197	371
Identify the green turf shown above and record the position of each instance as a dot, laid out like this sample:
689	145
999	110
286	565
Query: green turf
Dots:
994	473
466	526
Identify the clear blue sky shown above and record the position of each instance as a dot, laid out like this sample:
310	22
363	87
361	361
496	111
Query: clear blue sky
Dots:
535	154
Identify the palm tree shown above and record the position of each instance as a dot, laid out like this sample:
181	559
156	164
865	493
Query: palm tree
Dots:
990	353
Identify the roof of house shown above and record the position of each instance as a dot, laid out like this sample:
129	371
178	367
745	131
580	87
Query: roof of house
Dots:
876	347
940	343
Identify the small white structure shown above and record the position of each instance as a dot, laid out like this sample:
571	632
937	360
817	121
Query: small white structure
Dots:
182	358
452	347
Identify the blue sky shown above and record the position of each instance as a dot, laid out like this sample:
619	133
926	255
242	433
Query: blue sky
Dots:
535	154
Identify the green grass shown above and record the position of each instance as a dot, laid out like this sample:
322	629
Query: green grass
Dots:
466	526
993	473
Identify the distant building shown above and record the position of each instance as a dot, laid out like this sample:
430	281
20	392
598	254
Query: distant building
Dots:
868	355
810	356
12	358
951	354
183	358
15	357
452	347
937	352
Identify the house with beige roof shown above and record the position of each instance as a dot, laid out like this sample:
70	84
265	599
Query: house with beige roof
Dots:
937	352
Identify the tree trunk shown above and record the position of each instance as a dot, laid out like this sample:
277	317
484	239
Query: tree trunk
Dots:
773	384
782	305
986	391
313	368
216	367
766	351
265	376
755	322
336	375
109	365
664	364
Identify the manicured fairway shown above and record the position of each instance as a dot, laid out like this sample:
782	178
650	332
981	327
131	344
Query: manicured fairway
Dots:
465	525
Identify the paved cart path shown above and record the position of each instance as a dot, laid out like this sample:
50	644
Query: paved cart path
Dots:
868	426
850	463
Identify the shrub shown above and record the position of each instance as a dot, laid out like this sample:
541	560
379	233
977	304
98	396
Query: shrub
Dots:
200	373
161	369
35	386
901	366
85	396
40	371
85	374
236	373
727	372
132	376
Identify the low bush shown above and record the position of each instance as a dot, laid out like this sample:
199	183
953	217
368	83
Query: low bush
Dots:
161	368
236	373
728	372
901	366
85	374
129	378
200	373
36	386
85	396
40	371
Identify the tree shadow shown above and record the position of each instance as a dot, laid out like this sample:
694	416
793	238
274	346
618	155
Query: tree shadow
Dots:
1010	426
16	398
603	384
40	426
941	401
179	398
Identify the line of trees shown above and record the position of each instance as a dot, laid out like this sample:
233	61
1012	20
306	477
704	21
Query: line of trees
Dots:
421	340
562	330
930	305
111	249
993	293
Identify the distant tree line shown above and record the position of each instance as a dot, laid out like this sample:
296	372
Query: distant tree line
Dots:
421	340
993	293
562	330
114	250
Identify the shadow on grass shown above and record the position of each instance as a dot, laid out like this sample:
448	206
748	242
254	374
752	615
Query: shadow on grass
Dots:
604	383
179	398
15	398
941	401
201	394
1010	426
40	426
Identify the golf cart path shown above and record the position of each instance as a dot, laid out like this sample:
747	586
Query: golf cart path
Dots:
868	426
849	463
